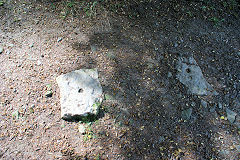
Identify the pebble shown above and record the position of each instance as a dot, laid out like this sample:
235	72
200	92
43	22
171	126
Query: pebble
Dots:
204	103
1	50
212	109
220	105
39	63
59	39
49	94
11	45
169	74
8	52
81	129
193	104
238	148
63	124
31	45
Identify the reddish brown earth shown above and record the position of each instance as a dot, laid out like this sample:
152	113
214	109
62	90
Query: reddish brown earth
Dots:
134	48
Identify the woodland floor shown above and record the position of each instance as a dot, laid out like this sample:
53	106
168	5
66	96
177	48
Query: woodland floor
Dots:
135	50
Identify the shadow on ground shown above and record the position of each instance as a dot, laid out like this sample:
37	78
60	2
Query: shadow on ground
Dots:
148	99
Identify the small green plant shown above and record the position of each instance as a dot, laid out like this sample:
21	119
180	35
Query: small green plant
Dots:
98	157
216	21
90	8
204	8
105	108
189	13
69	6
96	106
232	4
53	6
89	133
114	7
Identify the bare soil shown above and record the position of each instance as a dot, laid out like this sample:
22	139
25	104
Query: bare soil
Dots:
135	49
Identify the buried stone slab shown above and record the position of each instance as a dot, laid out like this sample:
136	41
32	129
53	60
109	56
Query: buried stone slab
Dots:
190	75
80	94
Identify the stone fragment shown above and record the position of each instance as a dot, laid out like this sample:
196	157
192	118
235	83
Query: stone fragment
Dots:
169	74
49	93
1	50
31	45
94	48
80	93
238	148
39	63
81	129
108	97
231	116
204	103
186	114
16	114
212	109
161	139
220	105
59	39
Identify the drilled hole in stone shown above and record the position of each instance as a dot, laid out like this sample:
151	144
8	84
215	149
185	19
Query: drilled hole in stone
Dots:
188	70
80	90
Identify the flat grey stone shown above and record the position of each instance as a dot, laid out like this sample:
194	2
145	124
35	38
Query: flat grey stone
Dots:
190	75
80	93
231	116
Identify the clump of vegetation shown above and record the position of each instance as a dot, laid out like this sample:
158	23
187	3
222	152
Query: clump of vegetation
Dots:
90	8
2	3
216	21
69	7
89	134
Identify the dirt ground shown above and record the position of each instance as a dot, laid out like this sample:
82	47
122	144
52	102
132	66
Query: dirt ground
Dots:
135	47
